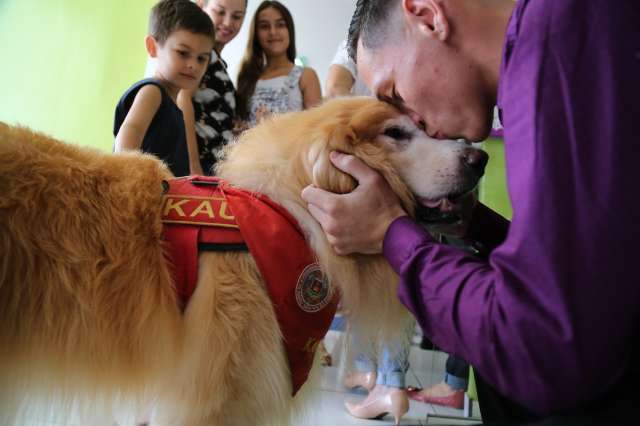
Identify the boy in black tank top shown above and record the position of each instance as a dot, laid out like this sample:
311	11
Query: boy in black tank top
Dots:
181	37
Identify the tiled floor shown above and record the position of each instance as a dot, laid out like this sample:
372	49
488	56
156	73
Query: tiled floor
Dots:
426	368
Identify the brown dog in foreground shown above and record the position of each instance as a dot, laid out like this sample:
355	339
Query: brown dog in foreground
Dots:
88	310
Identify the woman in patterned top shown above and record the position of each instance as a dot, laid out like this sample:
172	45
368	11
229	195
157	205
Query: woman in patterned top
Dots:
210	112
269	82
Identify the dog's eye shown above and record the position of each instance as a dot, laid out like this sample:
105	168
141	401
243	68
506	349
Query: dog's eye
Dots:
396	133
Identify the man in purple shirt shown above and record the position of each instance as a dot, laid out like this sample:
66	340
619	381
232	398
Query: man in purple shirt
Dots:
551	319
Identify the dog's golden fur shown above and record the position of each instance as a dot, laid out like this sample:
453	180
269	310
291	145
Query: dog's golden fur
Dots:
87	306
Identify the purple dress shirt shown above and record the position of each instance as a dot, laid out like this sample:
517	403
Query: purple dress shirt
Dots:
552	317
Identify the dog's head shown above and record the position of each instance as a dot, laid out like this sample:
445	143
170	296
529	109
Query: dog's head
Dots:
286	153
424	172
292	151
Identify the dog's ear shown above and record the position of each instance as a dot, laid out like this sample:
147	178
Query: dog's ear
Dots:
367	124
337	137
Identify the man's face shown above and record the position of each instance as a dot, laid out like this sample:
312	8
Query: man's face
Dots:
432	83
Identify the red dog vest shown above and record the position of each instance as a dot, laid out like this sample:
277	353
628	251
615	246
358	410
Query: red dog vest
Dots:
206	212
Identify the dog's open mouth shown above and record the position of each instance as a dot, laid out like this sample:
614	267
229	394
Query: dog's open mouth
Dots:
441	211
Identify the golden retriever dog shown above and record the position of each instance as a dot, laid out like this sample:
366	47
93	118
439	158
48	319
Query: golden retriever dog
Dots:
89	317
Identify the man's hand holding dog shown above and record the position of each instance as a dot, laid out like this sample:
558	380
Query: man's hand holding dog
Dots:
358	221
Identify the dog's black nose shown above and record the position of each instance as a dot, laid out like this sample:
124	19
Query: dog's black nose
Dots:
476	159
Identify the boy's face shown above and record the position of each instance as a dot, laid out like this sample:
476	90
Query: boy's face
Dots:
182	59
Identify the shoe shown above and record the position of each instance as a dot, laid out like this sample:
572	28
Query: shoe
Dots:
357	379
325	356
454	400
381	401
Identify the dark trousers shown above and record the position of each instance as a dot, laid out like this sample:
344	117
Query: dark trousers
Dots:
615	409
457	367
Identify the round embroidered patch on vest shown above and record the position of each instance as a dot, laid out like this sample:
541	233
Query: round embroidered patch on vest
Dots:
312	291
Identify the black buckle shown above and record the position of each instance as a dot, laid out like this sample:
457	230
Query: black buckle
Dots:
213	183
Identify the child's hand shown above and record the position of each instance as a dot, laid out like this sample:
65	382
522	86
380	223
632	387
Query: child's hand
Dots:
239	126
188	93
262	114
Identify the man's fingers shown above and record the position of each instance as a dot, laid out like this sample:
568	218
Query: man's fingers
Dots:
340	215
353	166
324	215
318	214
318	197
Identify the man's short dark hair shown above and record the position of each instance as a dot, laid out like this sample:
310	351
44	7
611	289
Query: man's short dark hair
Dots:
369	24
168	16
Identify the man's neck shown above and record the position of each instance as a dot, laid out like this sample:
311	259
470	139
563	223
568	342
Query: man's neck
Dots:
485	27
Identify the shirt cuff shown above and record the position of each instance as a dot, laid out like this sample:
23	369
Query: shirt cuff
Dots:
402	239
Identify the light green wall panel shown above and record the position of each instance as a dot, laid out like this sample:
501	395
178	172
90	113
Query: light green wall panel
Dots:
493	187
65	64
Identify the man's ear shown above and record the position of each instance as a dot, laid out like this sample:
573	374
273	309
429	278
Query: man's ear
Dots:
429	16
151	45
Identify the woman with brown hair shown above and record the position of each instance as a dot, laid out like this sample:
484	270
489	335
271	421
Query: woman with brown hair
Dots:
210	110
269	81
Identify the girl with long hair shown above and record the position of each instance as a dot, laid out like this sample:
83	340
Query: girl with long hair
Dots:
269	81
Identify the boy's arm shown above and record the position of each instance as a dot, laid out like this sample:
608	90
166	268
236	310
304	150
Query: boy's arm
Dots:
186	106
135	125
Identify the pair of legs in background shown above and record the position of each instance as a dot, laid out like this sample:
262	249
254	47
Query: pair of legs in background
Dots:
384	378
450	391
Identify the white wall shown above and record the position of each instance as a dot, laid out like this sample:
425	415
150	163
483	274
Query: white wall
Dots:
320	26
